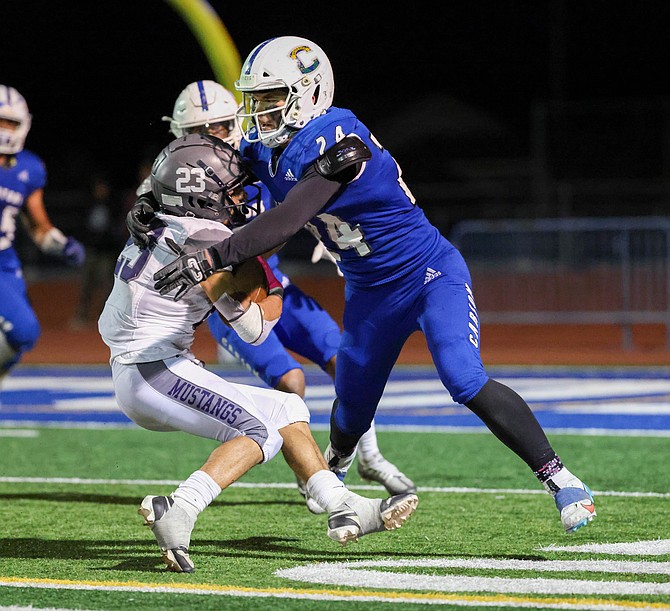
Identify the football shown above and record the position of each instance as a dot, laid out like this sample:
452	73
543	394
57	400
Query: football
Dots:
249	282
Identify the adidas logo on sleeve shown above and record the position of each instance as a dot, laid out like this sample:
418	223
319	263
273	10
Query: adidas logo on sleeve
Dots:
431	274
290	176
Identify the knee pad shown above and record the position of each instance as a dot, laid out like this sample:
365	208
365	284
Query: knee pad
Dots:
288	408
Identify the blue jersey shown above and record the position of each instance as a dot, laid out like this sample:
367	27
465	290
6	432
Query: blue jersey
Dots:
375	213
26	175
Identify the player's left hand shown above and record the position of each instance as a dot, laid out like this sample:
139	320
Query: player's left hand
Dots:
141	219
184	273
74	252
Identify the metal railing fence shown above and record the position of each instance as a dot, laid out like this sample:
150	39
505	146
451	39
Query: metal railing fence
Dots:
570	270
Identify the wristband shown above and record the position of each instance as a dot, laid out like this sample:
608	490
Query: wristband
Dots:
274	286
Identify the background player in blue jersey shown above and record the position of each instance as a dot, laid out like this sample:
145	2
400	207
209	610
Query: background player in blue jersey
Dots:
401	274
22	180
305	328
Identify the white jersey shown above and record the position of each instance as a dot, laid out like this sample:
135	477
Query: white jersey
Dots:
139	324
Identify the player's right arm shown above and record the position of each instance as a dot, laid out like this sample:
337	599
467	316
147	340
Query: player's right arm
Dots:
232	296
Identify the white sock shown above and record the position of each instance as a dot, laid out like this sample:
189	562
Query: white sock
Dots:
196	493
326	489
367	445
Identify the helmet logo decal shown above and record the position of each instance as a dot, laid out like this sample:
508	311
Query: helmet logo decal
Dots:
301	66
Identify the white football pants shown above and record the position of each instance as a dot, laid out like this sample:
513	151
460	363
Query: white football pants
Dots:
177	394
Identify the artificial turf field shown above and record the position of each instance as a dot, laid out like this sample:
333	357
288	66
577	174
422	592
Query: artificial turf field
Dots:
484	535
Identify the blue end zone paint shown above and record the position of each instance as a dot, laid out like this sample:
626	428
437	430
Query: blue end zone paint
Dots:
83	395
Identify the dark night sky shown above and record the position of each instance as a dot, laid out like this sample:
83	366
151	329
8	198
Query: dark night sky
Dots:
99	75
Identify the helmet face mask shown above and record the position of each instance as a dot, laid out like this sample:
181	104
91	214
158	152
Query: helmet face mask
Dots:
292	64
220	129
203	177
13	108
241	214
266	113
205	107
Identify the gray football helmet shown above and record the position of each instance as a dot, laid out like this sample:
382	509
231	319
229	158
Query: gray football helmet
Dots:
198	175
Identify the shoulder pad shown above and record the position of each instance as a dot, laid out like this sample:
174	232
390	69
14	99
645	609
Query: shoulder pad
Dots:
348	152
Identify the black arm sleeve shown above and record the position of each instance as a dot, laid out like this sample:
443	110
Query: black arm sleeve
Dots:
277	225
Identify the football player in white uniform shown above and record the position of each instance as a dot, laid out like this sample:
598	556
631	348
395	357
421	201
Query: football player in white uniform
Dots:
206	107
198	181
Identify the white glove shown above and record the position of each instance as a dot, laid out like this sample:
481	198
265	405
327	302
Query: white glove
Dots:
321	252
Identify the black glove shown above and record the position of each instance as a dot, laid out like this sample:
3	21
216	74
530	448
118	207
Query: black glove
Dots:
184	273
141	220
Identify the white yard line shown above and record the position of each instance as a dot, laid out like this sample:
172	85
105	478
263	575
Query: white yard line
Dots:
77	481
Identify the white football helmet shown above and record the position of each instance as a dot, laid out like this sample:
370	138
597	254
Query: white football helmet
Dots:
200	107
14	108
292	63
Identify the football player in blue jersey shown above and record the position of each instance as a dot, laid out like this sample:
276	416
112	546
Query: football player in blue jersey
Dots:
305	328
401	275
22	181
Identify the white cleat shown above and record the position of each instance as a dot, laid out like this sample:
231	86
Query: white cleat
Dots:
172	528
575	504
357	516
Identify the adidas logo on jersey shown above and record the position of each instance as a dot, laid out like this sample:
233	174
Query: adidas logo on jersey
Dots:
431	274
23	176
289	175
